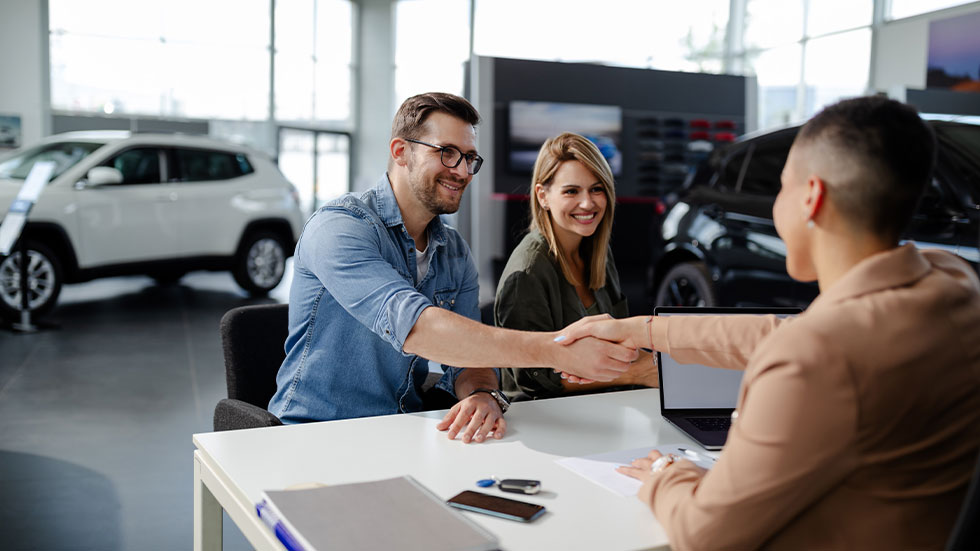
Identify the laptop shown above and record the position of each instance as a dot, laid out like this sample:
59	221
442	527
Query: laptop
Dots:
697	399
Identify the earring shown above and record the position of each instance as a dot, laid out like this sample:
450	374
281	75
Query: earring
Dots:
810	224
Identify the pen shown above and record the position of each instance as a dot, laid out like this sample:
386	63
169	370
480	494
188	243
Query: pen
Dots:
269	518
695	455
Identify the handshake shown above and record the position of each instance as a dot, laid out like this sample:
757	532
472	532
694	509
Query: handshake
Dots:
600	348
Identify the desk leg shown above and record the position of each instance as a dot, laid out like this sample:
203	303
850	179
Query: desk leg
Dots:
207	514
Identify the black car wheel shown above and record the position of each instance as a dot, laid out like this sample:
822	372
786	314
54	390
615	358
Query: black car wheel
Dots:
260	263
44	280
686	284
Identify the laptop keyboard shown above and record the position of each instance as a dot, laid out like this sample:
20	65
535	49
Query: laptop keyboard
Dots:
711	424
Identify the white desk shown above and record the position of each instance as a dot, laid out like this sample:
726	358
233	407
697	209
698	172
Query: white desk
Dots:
231	469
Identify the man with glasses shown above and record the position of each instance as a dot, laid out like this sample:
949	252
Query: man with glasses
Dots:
381	286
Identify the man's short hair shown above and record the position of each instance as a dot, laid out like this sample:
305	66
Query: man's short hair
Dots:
411	116
893	150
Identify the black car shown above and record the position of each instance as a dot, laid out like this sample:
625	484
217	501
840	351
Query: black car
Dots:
718	245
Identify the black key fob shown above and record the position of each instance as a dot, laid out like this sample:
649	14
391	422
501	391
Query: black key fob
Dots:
520	486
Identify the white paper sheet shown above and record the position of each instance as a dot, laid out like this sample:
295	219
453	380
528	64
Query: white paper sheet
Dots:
601	468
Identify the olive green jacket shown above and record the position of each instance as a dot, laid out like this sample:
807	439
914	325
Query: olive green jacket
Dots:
533	295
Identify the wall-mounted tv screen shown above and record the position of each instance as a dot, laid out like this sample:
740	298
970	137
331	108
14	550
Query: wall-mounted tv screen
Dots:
954	53
533	122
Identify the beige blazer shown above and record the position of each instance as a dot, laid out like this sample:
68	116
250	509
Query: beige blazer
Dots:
857	424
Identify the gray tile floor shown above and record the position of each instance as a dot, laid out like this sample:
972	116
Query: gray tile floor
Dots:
96	416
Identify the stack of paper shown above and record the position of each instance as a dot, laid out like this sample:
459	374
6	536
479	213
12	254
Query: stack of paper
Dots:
601	468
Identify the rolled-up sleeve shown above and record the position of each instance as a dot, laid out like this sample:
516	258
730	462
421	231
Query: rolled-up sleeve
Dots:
345	256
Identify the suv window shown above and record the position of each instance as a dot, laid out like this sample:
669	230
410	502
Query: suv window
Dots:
959	161
139	165
762	176
197	165
64	154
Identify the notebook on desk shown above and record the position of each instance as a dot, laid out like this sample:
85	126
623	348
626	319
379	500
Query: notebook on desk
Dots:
697	399
396	513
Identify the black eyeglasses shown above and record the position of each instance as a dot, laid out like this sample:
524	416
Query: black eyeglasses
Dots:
451	157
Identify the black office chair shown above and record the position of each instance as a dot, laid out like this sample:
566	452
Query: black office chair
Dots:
252	338
966	532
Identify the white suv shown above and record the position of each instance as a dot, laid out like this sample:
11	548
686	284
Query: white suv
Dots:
121	203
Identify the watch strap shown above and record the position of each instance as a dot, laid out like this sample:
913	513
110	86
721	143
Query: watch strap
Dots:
497	395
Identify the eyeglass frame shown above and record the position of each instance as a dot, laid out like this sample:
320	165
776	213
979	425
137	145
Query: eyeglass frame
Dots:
477	160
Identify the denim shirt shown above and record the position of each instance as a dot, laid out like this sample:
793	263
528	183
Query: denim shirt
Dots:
354	299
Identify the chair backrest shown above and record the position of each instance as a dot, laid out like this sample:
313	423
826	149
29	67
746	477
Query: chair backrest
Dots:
966	532
252	338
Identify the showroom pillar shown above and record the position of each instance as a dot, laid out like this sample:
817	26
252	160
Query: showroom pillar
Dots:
25	89
375	90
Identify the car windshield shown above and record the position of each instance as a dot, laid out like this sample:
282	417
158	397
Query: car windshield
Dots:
64	154
960	145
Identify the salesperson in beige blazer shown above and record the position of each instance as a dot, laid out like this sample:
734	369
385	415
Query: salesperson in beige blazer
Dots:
858	422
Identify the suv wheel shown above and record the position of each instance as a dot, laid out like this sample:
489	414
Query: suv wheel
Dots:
686	284
260	263
44	281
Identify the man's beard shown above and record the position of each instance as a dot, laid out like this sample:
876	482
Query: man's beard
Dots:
426	191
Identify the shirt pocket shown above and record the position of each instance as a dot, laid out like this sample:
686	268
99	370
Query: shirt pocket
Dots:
446	298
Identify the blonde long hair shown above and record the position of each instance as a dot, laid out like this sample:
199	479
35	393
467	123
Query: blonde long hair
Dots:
554	152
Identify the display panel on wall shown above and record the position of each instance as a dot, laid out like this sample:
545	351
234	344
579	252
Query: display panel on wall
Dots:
9	131
954	53
531	123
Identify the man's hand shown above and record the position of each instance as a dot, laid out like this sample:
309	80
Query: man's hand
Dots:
643	371
593	359
477	416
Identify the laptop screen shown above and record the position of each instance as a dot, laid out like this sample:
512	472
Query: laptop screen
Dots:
693	386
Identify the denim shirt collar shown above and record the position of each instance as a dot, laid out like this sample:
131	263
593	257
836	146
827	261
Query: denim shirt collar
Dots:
391	215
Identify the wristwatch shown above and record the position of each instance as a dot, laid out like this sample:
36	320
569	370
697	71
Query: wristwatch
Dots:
662	462
502	400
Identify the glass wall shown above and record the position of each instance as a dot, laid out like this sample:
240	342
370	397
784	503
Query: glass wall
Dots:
181	58
805	55
677	36
898	9
206	60
432	42
317	163
314	41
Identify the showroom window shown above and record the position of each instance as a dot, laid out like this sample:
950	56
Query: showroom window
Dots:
679	36
805	54
432	42
181	58
313	65
317	163
898	9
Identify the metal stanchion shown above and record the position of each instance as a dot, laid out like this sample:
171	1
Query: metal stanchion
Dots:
25	325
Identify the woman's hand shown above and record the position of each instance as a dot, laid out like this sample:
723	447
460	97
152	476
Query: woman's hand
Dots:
632	332
640	470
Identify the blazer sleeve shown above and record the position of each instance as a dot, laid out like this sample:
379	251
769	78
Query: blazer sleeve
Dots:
716	341
794	438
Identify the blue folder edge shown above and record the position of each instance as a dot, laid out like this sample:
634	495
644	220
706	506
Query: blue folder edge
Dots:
269	518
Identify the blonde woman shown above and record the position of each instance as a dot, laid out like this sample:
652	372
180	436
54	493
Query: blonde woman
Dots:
563	269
